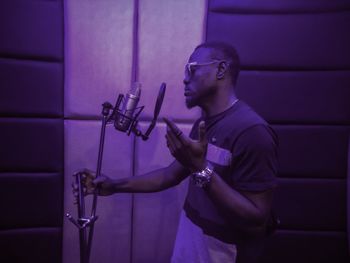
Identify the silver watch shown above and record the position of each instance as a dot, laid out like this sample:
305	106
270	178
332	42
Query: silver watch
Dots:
202	178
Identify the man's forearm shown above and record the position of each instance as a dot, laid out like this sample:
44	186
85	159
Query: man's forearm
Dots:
154	181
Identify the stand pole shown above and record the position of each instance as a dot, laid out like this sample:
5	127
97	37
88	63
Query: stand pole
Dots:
105	114
81	214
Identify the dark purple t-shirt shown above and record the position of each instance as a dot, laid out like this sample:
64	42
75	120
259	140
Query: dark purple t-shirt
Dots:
242	149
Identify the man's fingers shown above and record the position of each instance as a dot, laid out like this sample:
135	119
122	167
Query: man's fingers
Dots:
170	124
98	181
75	186
173	128
175	134
177	142
170	143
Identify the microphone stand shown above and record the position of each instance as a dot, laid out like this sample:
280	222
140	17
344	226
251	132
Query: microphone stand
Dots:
83	222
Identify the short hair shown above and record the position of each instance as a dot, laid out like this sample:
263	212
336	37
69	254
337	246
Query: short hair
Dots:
224	51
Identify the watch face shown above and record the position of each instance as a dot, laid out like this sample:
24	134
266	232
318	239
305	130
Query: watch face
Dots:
200	180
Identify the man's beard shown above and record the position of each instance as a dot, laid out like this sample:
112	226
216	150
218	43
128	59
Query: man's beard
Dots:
190	103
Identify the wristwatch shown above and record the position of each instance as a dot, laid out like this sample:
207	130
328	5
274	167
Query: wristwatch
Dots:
202	178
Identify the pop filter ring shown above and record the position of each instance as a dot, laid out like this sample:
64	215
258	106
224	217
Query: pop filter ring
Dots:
157	108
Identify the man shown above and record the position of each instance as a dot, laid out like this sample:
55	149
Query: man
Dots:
230	157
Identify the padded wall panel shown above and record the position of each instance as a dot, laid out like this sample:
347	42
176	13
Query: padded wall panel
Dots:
31	29
43	208
320	97
156	215
168	33
348	196
306	246
285	41
309	202
31	88
31	145
295	60
98	54
312	151
273	6
39	245
112	235
31	131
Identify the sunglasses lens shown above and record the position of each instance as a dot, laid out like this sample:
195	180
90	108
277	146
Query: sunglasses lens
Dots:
188	69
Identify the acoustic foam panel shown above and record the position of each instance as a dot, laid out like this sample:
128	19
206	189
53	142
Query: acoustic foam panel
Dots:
25	35
98	54
30	144
273	6
279	41
312	151
306	246
168	33
156	215
300	97
26	245
31	88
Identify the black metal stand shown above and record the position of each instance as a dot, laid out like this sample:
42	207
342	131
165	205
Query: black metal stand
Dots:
84	223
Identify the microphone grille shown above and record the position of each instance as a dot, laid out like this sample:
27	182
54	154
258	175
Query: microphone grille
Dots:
136	89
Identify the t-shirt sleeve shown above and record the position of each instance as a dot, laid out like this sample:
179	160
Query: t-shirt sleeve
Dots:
254	159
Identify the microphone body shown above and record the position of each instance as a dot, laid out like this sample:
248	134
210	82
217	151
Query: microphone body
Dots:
125	117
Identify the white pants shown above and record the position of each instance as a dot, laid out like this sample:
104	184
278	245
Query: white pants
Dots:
193	246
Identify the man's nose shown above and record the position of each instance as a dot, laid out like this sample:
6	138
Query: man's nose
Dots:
187	78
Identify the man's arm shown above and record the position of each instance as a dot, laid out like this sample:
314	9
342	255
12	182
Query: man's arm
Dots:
154	181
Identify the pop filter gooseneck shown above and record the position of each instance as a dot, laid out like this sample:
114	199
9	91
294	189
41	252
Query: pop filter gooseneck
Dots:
157	108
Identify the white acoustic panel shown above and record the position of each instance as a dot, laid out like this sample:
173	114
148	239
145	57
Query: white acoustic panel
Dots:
168	33
98	54
113	228
156	215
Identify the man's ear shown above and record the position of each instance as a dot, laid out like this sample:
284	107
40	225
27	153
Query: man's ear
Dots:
221	70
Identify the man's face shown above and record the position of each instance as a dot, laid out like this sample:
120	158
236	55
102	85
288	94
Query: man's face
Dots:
200	80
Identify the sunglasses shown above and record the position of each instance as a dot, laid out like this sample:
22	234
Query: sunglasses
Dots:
190	67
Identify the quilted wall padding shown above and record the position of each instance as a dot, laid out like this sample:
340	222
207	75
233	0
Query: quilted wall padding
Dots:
296	74
31	130
327	89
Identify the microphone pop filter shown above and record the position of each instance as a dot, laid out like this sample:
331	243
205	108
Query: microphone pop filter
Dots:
159	101
157	108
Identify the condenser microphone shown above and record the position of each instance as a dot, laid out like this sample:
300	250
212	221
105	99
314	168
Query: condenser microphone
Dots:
125	115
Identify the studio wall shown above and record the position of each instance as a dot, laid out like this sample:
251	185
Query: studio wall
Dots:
31	130
296	73
60	60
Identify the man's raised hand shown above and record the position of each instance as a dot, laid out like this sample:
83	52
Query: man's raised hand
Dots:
190	153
